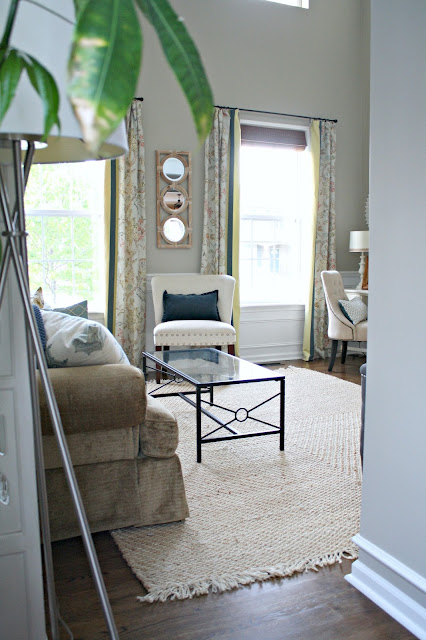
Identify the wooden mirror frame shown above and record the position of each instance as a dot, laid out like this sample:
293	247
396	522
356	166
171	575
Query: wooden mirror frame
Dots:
184	213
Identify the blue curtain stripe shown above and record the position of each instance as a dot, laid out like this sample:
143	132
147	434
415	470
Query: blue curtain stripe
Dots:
112	242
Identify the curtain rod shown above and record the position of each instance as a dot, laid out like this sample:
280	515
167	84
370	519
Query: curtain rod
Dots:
275	113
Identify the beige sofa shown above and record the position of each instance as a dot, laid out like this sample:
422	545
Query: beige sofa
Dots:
123	447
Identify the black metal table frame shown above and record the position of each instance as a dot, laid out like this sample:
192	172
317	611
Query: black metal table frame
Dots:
240	415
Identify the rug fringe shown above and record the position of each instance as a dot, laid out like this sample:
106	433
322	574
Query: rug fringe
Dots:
181	591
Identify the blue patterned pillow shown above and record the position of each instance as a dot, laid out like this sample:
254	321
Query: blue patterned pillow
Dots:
354	310
190	306
78	309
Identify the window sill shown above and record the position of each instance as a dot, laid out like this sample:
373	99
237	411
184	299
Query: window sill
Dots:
97	316
271	305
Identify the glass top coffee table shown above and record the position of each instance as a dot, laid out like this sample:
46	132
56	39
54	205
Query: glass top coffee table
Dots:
209	368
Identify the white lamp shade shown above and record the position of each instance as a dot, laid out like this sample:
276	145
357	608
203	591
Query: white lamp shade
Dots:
358	241
47	37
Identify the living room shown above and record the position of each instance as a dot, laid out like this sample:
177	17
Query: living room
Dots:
314	62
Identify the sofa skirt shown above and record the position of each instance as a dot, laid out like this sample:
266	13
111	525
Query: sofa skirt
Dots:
122	493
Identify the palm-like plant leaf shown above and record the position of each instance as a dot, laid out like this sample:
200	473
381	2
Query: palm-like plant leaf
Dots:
104	65
184	59
10	73
14	62
46	88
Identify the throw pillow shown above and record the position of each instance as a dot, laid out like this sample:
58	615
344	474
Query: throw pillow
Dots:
354	310
190	306
74	342
40	325
78	309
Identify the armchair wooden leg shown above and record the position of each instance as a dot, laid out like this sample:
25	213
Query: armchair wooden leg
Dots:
158	368
334	344
231	349
344	350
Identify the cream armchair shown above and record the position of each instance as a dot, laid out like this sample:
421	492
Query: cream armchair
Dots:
194	333
339	327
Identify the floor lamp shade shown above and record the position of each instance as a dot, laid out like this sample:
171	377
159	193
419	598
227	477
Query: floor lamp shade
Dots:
47	36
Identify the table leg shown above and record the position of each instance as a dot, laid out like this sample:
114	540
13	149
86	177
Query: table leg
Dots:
282	413
198	409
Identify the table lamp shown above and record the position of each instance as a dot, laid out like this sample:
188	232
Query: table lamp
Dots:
359	243
44	30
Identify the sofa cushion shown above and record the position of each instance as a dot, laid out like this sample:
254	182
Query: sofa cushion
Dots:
159	434
110	396
93	446
195	333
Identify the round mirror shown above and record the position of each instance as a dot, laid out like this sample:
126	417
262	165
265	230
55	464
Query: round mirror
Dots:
173	229
173	169
173	199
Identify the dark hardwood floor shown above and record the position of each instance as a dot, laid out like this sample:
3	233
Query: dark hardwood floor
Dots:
314	605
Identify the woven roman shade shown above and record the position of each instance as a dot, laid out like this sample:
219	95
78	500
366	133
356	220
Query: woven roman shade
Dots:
269	136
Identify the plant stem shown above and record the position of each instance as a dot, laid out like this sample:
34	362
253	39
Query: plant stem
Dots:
8	29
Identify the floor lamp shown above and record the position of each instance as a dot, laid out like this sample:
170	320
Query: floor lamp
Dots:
23	127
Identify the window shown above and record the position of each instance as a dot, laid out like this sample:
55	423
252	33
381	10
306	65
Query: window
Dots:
276	189
65	221
293	3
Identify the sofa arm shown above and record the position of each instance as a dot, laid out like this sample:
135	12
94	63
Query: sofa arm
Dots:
159	435
90	398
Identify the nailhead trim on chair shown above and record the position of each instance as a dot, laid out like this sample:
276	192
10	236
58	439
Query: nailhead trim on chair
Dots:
183	343
192	339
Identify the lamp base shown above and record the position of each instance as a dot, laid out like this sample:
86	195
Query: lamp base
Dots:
361	270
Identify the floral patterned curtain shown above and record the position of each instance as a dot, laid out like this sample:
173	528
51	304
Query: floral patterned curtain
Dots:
216	158
127	305
323	136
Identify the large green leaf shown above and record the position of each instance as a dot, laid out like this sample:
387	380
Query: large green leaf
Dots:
10	73
46	88
184	59
14	63
104	65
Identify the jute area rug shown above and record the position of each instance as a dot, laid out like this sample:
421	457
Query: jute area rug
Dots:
257	513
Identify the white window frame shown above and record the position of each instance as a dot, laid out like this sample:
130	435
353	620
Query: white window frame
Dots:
275	122
97	304
302	4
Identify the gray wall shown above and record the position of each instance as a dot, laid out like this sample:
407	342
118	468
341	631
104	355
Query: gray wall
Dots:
395	474
392	565
268	56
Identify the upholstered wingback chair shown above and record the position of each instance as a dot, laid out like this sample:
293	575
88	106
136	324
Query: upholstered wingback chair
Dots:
194	333
339	327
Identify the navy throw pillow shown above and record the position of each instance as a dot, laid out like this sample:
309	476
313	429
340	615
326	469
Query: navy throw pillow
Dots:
40	325
190	306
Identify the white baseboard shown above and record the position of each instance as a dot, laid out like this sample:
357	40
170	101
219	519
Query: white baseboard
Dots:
402	602
272	352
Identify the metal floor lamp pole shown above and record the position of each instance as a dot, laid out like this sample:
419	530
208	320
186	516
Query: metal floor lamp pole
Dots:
15	252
